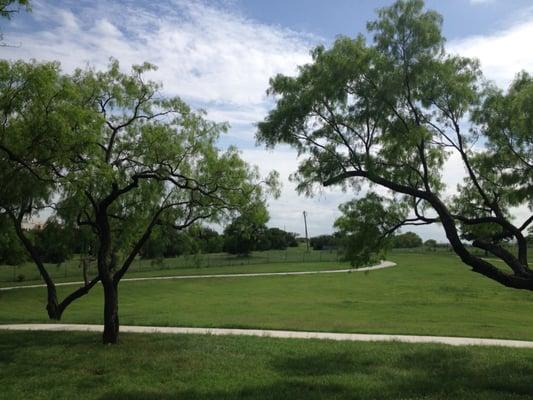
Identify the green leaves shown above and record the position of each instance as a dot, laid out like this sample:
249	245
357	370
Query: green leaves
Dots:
506	119
373	108
106	150
404	31
390	112
44	118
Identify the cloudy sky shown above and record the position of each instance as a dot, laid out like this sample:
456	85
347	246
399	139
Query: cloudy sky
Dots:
219	54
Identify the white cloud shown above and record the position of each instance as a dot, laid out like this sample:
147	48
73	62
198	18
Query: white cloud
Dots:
286	211
481	1
204	54
215	59
502	54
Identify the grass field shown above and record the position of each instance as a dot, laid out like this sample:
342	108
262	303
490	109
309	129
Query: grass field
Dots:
425	294
156	367
225	269
291	259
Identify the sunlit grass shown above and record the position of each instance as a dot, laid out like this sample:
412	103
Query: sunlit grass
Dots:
425	294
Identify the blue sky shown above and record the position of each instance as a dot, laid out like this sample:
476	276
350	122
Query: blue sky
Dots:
218	55
330	18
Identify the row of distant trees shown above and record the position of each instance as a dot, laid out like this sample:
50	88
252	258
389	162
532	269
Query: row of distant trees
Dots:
56	242
407	240
167	243
399	241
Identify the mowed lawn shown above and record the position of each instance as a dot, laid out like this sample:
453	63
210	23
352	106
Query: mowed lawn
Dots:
56	365
425	294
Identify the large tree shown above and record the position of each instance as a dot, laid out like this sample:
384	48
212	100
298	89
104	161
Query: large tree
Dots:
392	111
107	152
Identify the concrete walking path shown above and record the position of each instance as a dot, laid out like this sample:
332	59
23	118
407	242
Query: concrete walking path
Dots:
354	337
381	265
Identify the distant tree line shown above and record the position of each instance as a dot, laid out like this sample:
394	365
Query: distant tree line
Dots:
407	240
338	240
57	242
167	242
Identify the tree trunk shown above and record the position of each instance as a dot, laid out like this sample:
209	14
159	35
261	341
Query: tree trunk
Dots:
111	324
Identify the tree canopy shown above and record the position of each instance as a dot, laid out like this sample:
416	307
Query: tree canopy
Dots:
390	111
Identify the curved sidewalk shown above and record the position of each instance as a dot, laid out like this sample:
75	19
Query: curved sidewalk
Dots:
381	265
354	337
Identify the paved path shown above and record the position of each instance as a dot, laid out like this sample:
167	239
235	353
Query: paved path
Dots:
354	337
381	265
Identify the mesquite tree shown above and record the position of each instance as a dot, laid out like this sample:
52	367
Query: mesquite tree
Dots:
106	152
391	112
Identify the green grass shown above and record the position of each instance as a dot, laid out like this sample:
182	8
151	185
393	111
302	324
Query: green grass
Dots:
291	259
426	294
188	265
54	365
227	269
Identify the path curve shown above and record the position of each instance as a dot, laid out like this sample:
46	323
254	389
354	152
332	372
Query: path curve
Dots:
381	265
354	337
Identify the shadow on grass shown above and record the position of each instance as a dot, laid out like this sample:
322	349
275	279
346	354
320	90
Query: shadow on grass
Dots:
427	373
283	390
282	370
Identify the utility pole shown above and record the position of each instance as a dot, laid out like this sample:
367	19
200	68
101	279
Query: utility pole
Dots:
306	236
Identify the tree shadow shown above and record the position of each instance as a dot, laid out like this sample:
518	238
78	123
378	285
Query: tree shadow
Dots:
442	372
379	371
282	390
417	373
325	363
